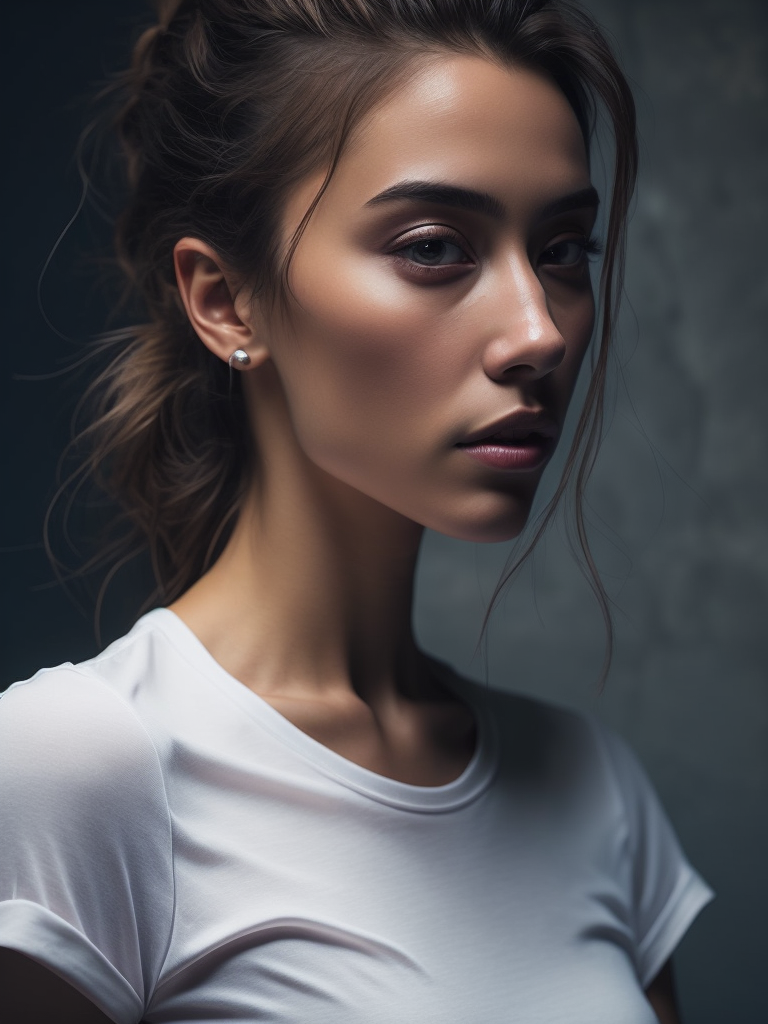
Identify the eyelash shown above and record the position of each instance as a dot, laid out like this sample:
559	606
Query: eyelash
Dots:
432	233
590	246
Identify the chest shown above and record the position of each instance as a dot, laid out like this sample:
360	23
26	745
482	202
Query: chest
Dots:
307	904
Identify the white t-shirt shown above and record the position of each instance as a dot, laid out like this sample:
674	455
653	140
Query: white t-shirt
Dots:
179	851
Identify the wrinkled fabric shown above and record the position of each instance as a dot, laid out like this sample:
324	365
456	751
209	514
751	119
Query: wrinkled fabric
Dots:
179	851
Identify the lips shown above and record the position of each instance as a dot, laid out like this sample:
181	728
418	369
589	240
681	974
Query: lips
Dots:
518	428
511	437
524	440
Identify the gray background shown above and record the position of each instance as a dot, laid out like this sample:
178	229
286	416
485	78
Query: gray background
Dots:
679	496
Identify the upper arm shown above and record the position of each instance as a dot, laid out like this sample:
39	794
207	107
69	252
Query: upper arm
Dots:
32	993
661	995
86	873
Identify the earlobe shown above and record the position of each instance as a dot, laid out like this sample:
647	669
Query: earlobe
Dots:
208	294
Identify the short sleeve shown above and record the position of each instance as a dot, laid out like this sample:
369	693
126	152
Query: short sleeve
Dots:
667	893
86	872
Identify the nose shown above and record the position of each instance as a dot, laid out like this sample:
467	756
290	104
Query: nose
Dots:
525	343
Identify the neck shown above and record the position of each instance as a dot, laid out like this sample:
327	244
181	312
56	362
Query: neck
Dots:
313	593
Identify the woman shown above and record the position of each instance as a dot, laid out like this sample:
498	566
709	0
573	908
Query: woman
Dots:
361	234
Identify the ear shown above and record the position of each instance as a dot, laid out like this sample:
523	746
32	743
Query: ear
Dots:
221	320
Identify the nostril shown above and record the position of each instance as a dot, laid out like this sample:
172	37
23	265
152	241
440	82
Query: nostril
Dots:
529	343
526	361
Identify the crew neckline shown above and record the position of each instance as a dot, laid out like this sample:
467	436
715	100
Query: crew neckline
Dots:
469	785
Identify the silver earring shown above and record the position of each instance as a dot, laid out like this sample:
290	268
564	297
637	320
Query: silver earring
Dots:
240	359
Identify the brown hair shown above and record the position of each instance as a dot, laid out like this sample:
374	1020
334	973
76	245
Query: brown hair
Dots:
226	106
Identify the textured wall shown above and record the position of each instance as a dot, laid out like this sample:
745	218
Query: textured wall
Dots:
679	495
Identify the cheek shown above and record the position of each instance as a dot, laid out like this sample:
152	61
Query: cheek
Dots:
361	358
376	371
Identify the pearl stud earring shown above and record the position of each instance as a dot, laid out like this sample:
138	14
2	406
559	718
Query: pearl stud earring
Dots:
239	358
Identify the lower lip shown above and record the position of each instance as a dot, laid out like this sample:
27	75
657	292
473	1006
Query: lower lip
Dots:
521	455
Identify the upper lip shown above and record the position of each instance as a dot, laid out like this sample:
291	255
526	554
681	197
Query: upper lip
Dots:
515	426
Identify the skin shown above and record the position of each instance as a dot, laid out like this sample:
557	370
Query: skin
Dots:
359	393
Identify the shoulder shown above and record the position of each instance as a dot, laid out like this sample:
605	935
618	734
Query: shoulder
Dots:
510	709
71	729
89	690
565	747
533	735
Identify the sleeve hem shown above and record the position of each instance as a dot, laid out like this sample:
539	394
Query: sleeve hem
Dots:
682	908
39	933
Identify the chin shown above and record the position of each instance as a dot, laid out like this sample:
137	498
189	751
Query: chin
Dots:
486	535
488	529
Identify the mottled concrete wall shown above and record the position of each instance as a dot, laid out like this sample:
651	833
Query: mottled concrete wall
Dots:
680	492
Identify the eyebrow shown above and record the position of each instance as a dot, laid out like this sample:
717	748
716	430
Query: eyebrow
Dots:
476	201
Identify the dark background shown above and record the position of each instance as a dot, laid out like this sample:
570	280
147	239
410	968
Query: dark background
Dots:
679	498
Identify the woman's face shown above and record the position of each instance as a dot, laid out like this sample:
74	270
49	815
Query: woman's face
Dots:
441	302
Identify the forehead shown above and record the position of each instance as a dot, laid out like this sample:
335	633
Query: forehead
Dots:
470	121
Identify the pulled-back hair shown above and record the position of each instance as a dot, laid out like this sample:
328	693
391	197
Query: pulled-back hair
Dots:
226	106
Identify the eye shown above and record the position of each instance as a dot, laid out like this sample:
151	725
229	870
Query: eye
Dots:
434	252
570	252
